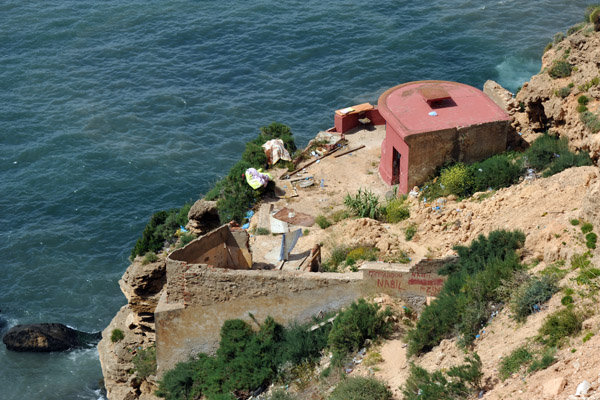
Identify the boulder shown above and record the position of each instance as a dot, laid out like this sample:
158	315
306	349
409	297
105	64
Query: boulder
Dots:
47	337
203	217
554	387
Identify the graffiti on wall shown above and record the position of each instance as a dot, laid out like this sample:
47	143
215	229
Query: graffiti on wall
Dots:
425	284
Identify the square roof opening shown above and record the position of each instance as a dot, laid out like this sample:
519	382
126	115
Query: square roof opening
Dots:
434	95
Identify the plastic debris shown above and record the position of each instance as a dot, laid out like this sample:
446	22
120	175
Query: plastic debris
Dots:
275	151
182	229
433	114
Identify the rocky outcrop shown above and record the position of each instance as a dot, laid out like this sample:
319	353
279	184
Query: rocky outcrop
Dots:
47	337
550	104
203	217
142	285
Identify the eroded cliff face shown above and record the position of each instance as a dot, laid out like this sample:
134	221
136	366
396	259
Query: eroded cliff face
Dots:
547	103
142	285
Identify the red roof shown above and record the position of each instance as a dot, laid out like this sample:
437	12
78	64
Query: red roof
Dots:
407	107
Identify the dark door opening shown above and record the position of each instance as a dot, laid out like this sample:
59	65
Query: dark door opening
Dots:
395	167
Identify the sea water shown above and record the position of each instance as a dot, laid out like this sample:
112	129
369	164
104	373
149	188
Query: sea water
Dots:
112	110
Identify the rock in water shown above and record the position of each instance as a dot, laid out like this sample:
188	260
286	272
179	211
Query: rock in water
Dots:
47	337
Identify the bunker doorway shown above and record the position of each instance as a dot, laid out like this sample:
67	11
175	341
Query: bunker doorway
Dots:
396	167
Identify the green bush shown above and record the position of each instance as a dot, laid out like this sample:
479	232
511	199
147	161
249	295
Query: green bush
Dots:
558	326
456	180
185	239
116	335
580	261
586	228
591	121
589	10
563	92
495	172
574	222
558	37
160	230
323	222
552	154
280	394
547	359
583	100
364	204
362	253
560	69
458	382
463	304
566	300
360	388
581	109
396	211
513	363
340	215
532	293
262	231
150	257
590	240
359	322
576	28
547	47
144	362
410	232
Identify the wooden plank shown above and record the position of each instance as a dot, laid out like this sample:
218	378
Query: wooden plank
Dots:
349	151
356	109
290	174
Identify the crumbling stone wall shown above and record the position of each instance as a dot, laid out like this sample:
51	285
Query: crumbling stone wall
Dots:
213	296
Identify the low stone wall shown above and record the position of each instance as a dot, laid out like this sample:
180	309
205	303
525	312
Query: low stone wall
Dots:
400	280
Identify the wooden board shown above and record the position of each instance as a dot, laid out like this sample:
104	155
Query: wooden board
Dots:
299	218
356	109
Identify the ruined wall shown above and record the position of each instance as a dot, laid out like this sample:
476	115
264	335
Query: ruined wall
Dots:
477	142
400	280
221	248
214	295
428	151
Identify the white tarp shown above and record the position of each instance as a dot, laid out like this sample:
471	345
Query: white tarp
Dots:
275	151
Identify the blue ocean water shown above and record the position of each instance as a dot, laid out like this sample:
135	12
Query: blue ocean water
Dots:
112	110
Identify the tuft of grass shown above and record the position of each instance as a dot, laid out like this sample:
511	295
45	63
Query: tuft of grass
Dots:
340	215
589	119
580	261
563	92
566	300
558	326
410	231
395	211
117	335
262	231
359	388
323	222
149	258
587	336
574	222
514	362
547	359
587	228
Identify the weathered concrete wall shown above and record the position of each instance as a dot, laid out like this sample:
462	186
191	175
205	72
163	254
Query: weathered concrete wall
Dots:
214	296
221	248
477	142
428	151
400	280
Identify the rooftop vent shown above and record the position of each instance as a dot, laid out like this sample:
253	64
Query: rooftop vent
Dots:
436	96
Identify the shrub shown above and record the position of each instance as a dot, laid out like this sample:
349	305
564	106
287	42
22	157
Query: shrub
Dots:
552	154
590	240
575	28
513	362
150	257
396	211
574	222
117	335
495	172
586	228
566	300
323	222
359	322
360	388
560	69
144	362
262	231
362	253
563	92
160	230
590	120
365	204
463	303
280	394
458	383
581	108
410	232
580	261
587	275
583	100
558	326
558	37
185	239
532	294
340	215
588	85
456	180
546	360
588	12
548	47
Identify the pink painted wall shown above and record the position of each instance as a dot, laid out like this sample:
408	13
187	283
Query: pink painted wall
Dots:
345	123
393	140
